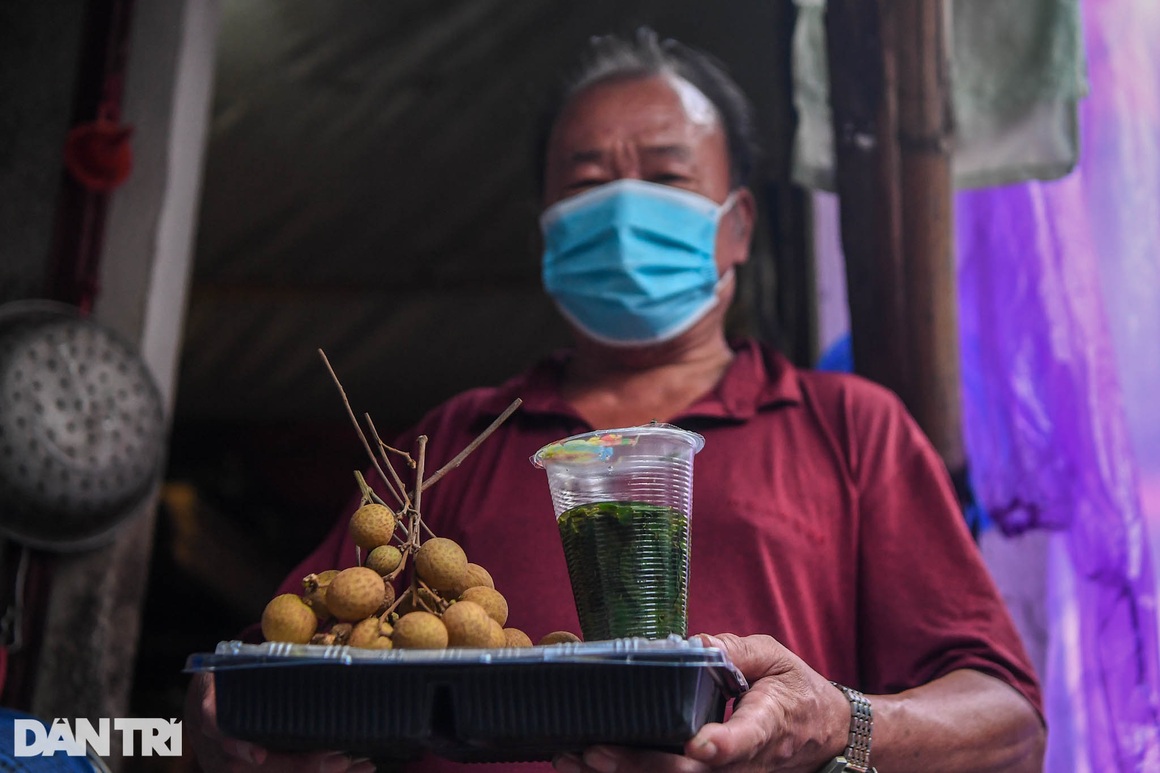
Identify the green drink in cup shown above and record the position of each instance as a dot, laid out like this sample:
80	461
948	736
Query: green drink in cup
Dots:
622	499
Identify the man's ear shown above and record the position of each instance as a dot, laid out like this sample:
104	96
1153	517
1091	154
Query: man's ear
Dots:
742	218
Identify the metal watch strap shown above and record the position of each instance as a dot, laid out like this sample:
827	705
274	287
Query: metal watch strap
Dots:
857	755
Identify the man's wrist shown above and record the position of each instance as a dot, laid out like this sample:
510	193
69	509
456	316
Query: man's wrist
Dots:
856	756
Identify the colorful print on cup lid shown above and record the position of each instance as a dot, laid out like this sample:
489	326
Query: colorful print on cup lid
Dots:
589	448
601	445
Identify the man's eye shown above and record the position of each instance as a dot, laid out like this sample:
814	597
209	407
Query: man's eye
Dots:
669	178
579	185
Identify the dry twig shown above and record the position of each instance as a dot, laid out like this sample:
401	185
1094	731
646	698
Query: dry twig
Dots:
421	441
383	447
458	460
357	428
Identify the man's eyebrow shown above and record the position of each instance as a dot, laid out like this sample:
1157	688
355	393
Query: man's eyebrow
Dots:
677	152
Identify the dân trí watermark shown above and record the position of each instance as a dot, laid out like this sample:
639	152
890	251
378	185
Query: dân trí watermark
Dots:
139	736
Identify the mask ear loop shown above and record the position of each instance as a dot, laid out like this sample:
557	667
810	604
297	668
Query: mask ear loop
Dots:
727	204
729	275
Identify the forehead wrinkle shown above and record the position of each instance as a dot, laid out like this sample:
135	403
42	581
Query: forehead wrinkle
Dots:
587	155
677	151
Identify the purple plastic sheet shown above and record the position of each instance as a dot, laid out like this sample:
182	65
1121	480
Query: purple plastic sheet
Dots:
1044	412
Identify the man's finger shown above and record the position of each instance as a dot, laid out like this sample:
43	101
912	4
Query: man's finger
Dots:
622	760
754	656
244	751
750	729
302	762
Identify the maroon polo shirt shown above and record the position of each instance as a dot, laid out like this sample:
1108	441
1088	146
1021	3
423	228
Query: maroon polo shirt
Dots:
821	516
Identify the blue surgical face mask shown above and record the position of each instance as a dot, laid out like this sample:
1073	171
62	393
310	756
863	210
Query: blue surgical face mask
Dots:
630	262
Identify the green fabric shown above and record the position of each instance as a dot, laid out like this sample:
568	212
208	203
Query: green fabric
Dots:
1017	70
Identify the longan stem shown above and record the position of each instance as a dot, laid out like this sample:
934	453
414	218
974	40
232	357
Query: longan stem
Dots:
412	543
354	420
400	490
458	460
368	494
434	594
406	592
419	486
422	444
398	522
398	569
404	454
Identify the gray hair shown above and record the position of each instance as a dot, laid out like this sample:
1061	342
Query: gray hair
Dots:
609	57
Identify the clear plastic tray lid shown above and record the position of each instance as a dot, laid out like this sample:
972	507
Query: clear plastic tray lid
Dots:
673	651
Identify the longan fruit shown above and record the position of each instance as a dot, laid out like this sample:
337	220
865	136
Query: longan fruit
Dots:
355	593
559	637
372	525
490	599
288	618
441	563
468	625
384	559
419	630
475	575
497	640
388	598
314	592
514	637
367	632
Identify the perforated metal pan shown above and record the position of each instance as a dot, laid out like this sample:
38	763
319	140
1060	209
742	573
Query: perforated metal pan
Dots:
81	428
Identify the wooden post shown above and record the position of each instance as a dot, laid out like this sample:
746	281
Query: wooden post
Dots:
792	320
864	115
890	98
924	141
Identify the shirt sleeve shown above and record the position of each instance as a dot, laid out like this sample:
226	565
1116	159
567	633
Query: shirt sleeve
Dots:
928	605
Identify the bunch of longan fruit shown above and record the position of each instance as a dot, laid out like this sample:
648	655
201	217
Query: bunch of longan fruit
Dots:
449	601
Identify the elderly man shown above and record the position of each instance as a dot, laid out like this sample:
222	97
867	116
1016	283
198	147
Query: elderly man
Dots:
829	558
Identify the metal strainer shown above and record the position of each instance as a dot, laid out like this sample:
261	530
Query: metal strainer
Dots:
81	428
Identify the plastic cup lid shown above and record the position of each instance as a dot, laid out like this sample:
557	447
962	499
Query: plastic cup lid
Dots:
601	445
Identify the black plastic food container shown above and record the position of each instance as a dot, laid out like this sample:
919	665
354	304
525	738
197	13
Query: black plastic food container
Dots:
470	704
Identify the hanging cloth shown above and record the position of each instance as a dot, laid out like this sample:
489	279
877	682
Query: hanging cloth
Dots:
1017	74
1057	308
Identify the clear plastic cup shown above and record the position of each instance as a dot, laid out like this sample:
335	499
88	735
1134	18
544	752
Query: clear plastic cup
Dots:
623	502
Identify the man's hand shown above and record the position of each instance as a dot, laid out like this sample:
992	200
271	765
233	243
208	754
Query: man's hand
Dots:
216	752
791	719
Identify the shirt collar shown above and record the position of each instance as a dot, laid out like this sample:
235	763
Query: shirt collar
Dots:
757	378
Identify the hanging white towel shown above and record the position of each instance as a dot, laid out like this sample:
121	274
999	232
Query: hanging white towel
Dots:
1017	74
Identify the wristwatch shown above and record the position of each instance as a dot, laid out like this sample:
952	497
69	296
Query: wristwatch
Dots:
856	758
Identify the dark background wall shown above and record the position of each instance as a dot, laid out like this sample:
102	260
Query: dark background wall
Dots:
40	46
